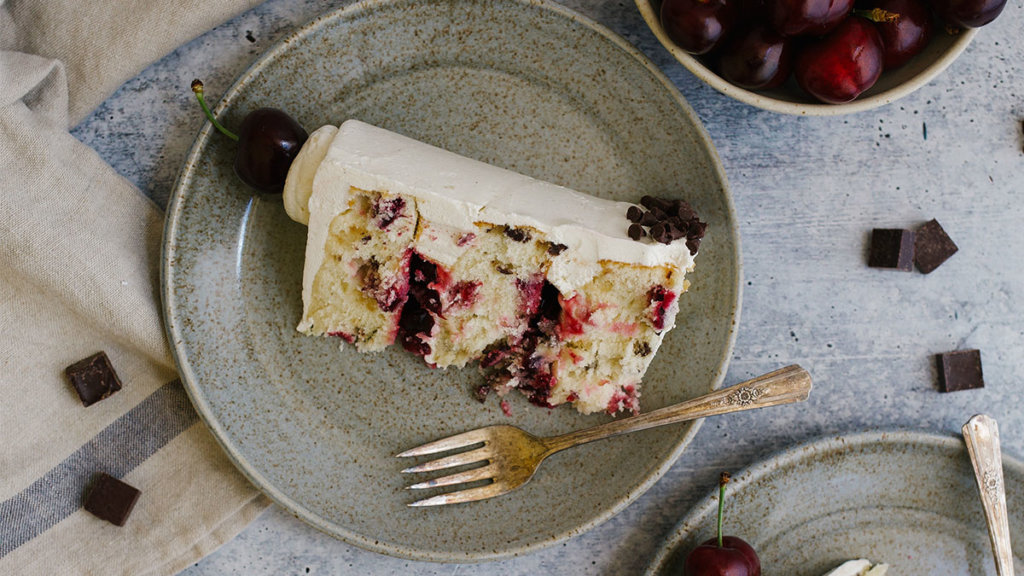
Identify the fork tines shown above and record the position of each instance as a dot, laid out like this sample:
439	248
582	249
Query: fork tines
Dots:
477	455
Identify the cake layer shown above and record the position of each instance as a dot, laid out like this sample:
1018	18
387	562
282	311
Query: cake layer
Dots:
462	261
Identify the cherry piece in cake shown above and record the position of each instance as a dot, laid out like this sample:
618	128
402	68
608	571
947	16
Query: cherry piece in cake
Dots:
932	246
892	248
960	370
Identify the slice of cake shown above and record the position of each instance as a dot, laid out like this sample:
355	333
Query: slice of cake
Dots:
563	296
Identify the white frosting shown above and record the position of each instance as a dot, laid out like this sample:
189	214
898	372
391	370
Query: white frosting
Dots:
454	192
299	183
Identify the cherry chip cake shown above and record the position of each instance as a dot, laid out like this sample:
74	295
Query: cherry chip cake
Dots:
561	295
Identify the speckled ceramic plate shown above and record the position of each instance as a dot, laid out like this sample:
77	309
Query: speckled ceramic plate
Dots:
526	85
908	499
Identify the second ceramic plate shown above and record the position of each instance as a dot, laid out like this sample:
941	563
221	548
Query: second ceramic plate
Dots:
904	498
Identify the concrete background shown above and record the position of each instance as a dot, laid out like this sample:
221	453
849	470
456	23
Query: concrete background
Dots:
807	193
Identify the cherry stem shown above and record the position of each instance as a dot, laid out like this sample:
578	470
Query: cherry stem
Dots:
721	504
197	88
878	15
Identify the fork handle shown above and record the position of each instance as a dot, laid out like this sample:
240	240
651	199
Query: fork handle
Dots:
783	386
981	434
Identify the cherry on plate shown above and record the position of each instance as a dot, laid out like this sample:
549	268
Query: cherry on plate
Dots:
268	141
722	555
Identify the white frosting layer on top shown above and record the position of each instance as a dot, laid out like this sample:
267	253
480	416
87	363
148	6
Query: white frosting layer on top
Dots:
455	193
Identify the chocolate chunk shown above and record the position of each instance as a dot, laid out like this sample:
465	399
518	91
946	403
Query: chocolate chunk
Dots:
892	248
556	249
94	378
502	267
518	234
481	392
634	213
641	348
960	370
636	231
660	233
932	246
654	203
111	499
648	219
684	211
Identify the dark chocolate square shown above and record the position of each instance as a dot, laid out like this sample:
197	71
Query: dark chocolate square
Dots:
111	499
932	246
892	248
960	370
94	378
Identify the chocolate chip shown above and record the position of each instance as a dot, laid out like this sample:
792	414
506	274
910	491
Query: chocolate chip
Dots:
684	211
502	267
518	234
481	392
932	246
556	249
960	370
111	499
653	202
660	233
634	213
93	378
648	219
674	231
892	248
641	348
636	231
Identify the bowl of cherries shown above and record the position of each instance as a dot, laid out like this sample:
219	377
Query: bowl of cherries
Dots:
817	57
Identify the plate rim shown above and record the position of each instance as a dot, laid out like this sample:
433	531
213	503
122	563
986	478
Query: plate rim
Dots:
249	469
801	451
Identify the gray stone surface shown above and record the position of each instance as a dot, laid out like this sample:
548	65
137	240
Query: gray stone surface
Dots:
807	191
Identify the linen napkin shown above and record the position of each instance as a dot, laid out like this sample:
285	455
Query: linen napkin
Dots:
79	266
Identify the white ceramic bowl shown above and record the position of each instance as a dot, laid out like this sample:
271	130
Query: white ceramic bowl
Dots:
789	99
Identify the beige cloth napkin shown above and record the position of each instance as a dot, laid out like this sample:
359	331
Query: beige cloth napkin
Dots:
79	262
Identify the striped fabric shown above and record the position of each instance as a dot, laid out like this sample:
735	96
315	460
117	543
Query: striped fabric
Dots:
79	261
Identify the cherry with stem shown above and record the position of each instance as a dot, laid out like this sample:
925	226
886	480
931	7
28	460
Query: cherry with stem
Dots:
268	140
722	555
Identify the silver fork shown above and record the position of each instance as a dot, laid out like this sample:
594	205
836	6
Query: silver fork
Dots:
511	456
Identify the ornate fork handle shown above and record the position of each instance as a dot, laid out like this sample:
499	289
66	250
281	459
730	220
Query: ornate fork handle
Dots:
789	384
982	437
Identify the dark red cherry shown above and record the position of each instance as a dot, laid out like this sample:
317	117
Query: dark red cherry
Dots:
807	17
757	58
733	558
698	26
722	555
968	13
842	65
268	141
905	26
